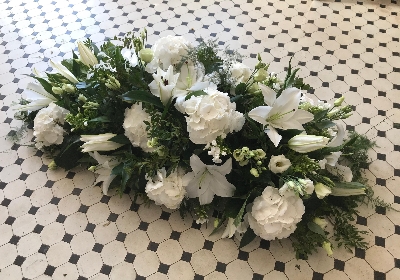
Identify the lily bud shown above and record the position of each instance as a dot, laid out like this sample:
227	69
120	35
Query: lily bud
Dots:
113	83
64	71
307	143
146	55
82	98
68	88
347	192
328	248
57	90
87	57
99	143
332	112
321	190
338	101
92	168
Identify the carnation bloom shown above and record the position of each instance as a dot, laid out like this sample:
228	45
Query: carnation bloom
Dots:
47	125
135	128
307	143
166	190
205	181
210	116
104	169
275	216
163	84
37	96
281	112
279	164
99	142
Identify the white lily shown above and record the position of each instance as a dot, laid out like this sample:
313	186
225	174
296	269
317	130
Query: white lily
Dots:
38	97
99	143
64	71
331	159
130	56
106	165
342	171
164	84
230	229
190	79
39	74
338	139
321	190
208	180
303	143
87	57
281	112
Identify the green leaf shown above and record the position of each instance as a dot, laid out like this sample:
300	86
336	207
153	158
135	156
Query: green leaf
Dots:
325	124
70	153
76	68
320	115
117	170
239	216
103	119
121	139
247	237
45	84
233	207
240	89
95	49
349	185
142	96
220	223
195	93
236	98
74	56
315	228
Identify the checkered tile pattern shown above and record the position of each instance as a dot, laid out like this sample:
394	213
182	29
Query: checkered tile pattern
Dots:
56	225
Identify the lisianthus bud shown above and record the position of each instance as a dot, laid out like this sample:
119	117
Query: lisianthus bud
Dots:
52	165
321	190
68	88
321	222
307	143
254	88
338	101
113	83
146	55
82	98
259	154
332	112
328	248
261	75
254	172
87	57
92	168
57	90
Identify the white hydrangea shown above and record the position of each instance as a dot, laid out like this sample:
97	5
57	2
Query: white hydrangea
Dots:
210	116
48	123
166	190
135	128
167	51
275	216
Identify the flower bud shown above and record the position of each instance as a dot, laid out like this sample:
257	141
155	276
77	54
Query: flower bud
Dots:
332	112
307	143
321	190
254	172
146	55
259	154
347	115
57	90
322	223
52	165
68	88
338	101
254	88
261	75
87	57
92	168
82	98
328	248
113	83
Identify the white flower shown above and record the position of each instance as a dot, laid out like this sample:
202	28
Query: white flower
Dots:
130	56
275	216
208	180
230	229
37	96
106	165
321	190
330	159
279	164
210	116
168	51
240	73
47	125
99	143
64	71
306	103
307	143
338	140
190	79
300	186
281	112
164	84
87	57
168	191
307	185
135	128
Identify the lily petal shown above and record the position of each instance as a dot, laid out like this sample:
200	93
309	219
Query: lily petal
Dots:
338	140
273	135
221	186
196	164
260	114
34	91
269	94
64	71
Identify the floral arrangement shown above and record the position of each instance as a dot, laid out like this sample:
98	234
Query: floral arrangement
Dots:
192	128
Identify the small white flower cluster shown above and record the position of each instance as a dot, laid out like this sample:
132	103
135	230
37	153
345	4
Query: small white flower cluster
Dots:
214	151
48	126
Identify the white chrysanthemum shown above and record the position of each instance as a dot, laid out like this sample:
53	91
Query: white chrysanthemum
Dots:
135	128
167	51
210	116
275	216
47	125
166	190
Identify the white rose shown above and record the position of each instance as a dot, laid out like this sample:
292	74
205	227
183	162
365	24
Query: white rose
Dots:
240	72
168	191
47	125
275	216
135	128
279	164
210	116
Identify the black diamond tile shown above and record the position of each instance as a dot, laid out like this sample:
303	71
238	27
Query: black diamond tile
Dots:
360	253
244	256
90	227
83	208
165	215
279	266
23	176
380	182
380	210
61	218
106	269
98	247
208	245
143	226
397	263
38	229
28	192
74	259
265	244
129	258
379	275
121	236
70	175
6	202
361	220
175	235
44	248
49	184
19	260
14	240
257	276
221	267
338	265
379	241
152	246
67	238
163	268
198	277
317	276
112	217
49	270
76	191
10	220
55	200
186	256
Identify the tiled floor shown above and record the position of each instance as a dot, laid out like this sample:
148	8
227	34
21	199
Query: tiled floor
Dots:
54	224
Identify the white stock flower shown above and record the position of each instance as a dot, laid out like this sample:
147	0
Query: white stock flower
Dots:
166	190
163	84
103	169
64	71
47	125
130	56
37	96
321	190
210	116
240	73
275	216
135	128
279	164
87	57
281	112
99	142
205	181
168	51
303	143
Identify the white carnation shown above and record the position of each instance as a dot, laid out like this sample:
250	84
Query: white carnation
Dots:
210	116
275	216
48	125
135	128
166	190
167	51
